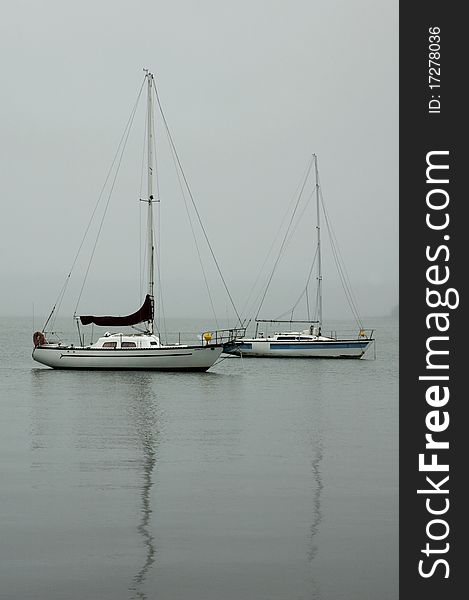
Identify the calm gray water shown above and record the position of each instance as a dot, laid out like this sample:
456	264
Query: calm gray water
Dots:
261	479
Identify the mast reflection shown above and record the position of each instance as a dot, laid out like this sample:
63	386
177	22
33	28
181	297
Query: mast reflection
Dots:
316	500
144	407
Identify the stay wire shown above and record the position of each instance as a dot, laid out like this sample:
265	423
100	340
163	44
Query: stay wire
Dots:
340	264
305	290
141	254
285	238
160	304
194	237
287	212
123	143
61	295
195	206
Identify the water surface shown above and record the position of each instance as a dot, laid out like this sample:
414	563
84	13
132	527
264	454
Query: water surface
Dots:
260	479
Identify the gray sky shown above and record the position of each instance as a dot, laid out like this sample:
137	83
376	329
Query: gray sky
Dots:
250	89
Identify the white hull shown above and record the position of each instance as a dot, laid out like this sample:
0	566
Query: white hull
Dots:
166	358
310	349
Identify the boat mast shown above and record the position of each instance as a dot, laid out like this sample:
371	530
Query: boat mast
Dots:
151	246
318	227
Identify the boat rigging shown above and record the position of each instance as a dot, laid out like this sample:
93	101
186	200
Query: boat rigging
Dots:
142	350
308	342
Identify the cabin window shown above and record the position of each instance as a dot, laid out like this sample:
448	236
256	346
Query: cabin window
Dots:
284	338
128	345
110	345
153	343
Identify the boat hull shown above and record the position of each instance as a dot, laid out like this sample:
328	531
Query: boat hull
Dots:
184	358
314	349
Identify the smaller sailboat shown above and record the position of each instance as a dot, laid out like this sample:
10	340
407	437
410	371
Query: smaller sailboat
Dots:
308	341
144	349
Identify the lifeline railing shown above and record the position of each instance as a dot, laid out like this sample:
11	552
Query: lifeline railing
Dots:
209	337
222	336
363	334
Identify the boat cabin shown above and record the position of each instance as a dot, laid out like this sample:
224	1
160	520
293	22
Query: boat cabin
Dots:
126	341
282	337
293	336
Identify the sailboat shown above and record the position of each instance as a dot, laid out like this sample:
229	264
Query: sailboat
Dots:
307	342
144	349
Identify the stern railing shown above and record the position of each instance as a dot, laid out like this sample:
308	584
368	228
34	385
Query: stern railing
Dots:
222	336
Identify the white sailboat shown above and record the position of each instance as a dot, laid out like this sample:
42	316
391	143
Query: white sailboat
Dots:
141	350
307	342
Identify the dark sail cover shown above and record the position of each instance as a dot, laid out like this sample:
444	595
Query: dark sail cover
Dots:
145	313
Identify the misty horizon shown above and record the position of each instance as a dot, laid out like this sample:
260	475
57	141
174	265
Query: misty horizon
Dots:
245	118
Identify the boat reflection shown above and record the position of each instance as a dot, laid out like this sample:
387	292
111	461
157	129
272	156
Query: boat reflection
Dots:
77	433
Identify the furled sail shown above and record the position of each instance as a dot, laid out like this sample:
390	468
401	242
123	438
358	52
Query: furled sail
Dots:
145	313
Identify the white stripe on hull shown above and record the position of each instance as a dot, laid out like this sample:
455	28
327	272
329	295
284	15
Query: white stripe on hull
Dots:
343	349
196	358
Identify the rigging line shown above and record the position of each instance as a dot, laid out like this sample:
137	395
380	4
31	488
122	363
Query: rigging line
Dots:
316	312
178	175
157	176
305	289
160	303
292	233
221	359
160	296
158	234
161	299
298	220
141	266
160	288
195	206
129	126
180	172
140	283
341	267
284	239
143	255
67	279
194	236
59	297
287	242
287	212
347	290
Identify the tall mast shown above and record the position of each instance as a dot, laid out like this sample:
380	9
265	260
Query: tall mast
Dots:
151	246
318	228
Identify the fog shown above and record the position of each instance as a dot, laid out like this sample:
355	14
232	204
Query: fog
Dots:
250	89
